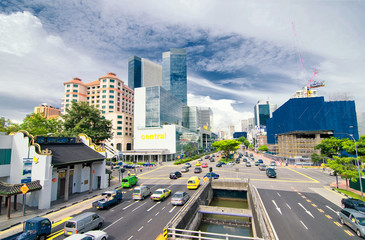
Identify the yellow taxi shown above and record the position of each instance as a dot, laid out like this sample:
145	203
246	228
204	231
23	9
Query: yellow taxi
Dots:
198	164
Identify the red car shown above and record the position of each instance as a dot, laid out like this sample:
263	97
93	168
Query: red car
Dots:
204	165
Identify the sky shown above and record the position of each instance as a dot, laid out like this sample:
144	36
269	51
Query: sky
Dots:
238	52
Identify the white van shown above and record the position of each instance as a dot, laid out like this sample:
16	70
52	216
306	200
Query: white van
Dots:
83	223
141	192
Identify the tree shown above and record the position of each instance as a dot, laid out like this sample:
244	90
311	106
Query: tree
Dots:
263	148
83	118
349	146
37	124
246	143
241	139
344	166
330	146
227	146
190	148
6	125
315	158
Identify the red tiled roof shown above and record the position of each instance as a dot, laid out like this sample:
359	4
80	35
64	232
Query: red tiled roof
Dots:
110	75
96	82
75	80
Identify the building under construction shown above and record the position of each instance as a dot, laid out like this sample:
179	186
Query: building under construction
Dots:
302	123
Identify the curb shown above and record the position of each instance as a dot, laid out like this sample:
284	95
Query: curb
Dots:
340	192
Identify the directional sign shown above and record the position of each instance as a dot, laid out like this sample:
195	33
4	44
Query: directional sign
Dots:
206	179
24	189
164	233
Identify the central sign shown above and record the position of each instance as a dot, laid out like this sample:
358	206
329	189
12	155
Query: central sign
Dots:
153	136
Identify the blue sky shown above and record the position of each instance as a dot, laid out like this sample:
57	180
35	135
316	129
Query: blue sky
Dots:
239	52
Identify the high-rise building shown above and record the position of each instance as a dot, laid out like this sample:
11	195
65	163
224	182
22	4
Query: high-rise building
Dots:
174	73
115	101
47	111
248	124
206	118
143	73
263	111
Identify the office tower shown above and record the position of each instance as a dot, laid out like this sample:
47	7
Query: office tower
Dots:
143	73
47	111
248	124
263	111
174	73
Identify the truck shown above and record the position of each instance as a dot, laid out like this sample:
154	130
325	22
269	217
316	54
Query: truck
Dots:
110	198
35	228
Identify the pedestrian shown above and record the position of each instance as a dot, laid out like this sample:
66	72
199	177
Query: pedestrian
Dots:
129	173
140	169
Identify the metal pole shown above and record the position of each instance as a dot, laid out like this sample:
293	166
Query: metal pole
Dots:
358	167
24	199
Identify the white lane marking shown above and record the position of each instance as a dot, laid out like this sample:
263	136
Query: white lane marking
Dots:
130	237
304	225
279	194
306	210
149	220
172	209
331	209
140	229
288	206
157	213
113	223
129	205
277	208
153	206
139	206
163	208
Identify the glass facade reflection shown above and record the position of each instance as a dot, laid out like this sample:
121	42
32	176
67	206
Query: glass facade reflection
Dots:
134	72
185	137
174	73
162	107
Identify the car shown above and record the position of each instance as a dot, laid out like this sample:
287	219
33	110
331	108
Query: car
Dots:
332	173
184	169
248	164
91	235
179	198
110	163
206	157
245	160
129	166
188	165
204	165
257	163
271	173
354	220
211	160
200	159
198	164
148	164
262	167
220	164
198	170
354	204
273	166
230	163
212	175
161	194
175	175
238	161
260	161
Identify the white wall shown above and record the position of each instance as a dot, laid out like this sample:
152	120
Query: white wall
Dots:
141	140
139	108
85	175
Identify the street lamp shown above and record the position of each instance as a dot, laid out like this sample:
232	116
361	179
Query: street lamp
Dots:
358	163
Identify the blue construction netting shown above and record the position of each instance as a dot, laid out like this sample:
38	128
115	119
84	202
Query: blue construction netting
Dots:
313	114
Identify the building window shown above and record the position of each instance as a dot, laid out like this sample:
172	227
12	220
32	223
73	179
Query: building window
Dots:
75	85
104	91
119	133
103	112
75	95
103	107
104	86
67	100
104	80
68	85
111	96
111	101
104	101
75	90
111	91
111	86
67	95
120	116
68	90
74	100
104	96
111	107
112	80
119	122
119	128
5	156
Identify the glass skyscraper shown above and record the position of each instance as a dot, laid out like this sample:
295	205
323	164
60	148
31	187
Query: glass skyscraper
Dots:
134	72
174	73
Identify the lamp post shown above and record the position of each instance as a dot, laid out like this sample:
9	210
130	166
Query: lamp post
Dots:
358	163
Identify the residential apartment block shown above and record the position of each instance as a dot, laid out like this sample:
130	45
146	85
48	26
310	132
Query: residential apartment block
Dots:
114	99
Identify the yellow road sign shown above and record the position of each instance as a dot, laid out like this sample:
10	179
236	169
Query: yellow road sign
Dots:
24	189
164	233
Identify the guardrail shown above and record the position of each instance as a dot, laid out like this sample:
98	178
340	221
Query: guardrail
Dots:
173	232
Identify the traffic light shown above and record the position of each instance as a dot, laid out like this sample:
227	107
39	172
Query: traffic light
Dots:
210	169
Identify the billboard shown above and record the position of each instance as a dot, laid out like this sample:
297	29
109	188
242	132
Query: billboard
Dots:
27	170
156	138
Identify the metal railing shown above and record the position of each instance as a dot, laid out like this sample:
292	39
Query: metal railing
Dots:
173	232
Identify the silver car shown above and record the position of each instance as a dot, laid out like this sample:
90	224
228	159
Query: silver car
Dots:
353	219
262	167
179	198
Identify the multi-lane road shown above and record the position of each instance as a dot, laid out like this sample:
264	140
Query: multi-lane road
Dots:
294	201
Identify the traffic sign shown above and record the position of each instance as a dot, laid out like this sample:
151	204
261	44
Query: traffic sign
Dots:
24	189
206	179
164	233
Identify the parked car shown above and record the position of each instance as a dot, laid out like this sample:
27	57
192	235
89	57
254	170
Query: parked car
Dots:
188	165
161	194
271	173
91	235
212	175
180	198
198	170
354	204
204	165
175	175
184	169
248	164
262	167
353	219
